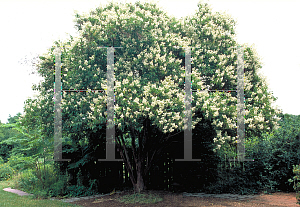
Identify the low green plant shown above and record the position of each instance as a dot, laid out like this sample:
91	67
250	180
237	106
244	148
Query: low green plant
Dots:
78	190
6	171
142	198
295	179
20	162
43	182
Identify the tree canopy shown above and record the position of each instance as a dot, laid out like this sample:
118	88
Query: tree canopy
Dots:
149	80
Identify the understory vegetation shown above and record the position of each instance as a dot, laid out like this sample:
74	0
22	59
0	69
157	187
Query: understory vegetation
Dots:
275	161
274	155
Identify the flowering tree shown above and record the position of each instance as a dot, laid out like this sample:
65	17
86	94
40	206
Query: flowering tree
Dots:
149	81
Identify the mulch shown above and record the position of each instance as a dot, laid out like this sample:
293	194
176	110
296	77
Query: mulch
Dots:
178	200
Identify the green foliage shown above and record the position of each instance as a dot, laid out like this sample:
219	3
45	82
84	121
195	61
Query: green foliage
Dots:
27	147
7	132
14	119
43	181
295	179
5	151
6	171
78	190
28	142
233	180
20	162
274	155
279	151
46	181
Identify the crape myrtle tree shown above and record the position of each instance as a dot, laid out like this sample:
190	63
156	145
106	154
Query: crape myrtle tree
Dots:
149	82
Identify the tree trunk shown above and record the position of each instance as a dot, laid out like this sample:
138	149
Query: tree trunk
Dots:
139	186
141	163
138	180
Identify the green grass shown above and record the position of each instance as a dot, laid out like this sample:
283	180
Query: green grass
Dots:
140	198
8	199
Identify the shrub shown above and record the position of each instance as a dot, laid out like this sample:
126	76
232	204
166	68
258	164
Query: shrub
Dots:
42	182
274	155
6	171
78	190
295	179
45	181
20	162
26	180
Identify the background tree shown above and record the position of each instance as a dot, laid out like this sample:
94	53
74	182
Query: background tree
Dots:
27	146
149	83
6	133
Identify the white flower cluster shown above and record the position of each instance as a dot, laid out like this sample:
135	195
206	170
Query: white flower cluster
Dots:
163	102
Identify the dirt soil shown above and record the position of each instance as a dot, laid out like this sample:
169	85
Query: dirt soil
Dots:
176	200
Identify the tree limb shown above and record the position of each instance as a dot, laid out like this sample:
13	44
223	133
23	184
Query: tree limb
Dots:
133	146
127	160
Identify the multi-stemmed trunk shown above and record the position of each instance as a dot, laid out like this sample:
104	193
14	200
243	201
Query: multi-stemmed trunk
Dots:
137	168
149	146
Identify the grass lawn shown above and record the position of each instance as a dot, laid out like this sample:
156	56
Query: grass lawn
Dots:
8	199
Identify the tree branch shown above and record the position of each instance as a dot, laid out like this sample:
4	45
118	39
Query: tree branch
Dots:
127	160
133	146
